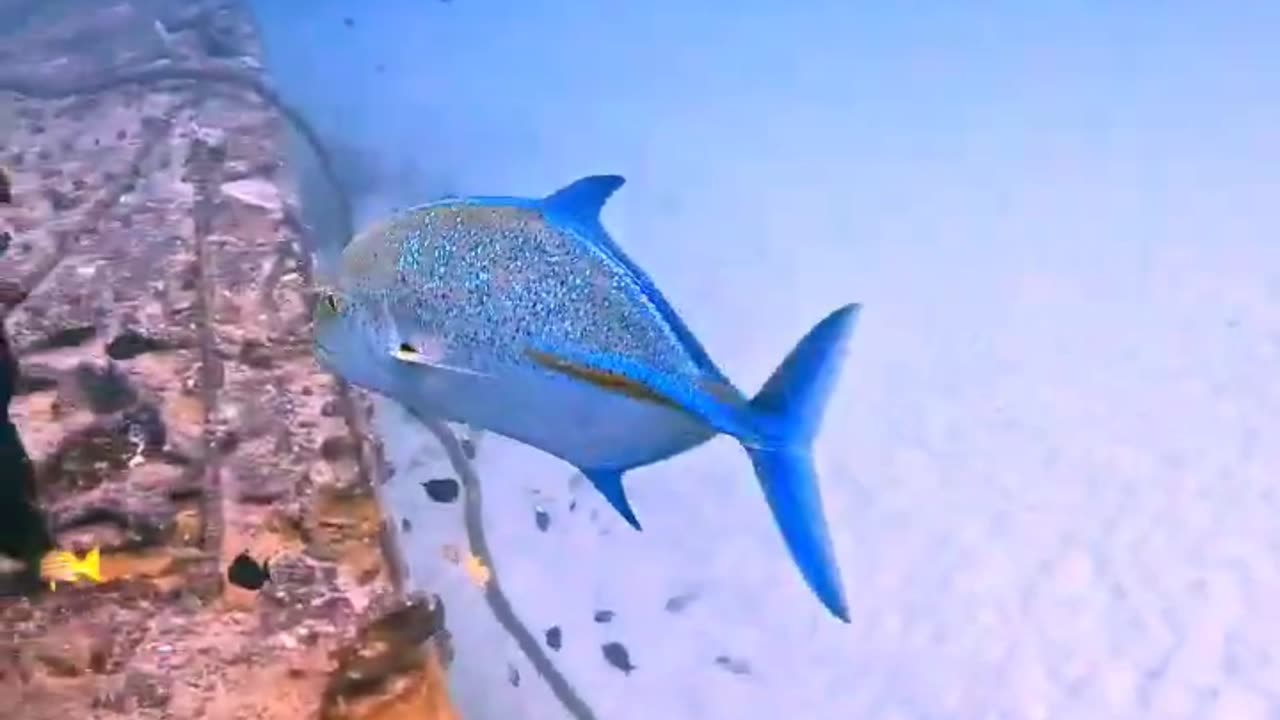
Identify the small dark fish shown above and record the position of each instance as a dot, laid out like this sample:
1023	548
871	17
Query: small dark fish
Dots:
348	22
542	519
245	572
513	675
468	448
603	616
405	525
678	603
6	188
555	638
573	505
735	666
6	239
442	490
616	654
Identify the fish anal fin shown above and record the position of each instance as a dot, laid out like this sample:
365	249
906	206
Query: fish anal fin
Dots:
609	484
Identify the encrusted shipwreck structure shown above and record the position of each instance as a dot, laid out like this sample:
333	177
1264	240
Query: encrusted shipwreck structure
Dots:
155	295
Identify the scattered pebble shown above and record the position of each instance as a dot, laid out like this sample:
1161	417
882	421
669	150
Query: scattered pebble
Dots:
615	653
542	519
603	616
678	603
452	553
442	490
733	665
555	638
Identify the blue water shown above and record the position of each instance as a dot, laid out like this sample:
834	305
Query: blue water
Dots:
1046	466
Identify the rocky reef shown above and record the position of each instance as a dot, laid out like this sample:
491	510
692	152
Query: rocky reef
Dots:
156	298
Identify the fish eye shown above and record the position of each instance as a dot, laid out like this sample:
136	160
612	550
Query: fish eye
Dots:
407	348
331	302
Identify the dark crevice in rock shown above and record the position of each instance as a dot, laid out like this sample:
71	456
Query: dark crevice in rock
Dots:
24	534
86	459
34	382
65	338
129	344
142	527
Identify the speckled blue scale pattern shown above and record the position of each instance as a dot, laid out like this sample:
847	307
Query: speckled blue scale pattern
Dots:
495	281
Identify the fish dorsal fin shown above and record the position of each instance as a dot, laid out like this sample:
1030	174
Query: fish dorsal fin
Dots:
580	203
583	199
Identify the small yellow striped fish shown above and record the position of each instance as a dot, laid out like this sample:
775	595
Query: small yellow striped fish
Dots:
63	566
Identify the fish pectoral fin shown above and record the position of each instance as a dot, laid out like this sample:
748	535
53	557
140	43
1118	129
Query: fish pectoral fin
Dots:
408	354
614	375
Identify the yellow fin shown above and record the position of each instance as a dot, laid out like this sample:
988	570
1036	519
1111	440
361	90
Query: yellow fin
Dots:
91	565
603	379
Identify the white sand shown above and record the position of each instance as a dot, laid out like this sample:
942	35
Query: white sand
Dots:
1088	532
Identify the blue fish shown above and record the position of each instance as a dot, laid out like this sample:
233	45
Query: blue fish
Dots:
523	317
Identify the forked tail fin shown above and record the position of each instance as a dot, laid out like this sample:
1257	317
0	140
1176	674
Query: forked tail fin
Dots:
789	410
91	565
